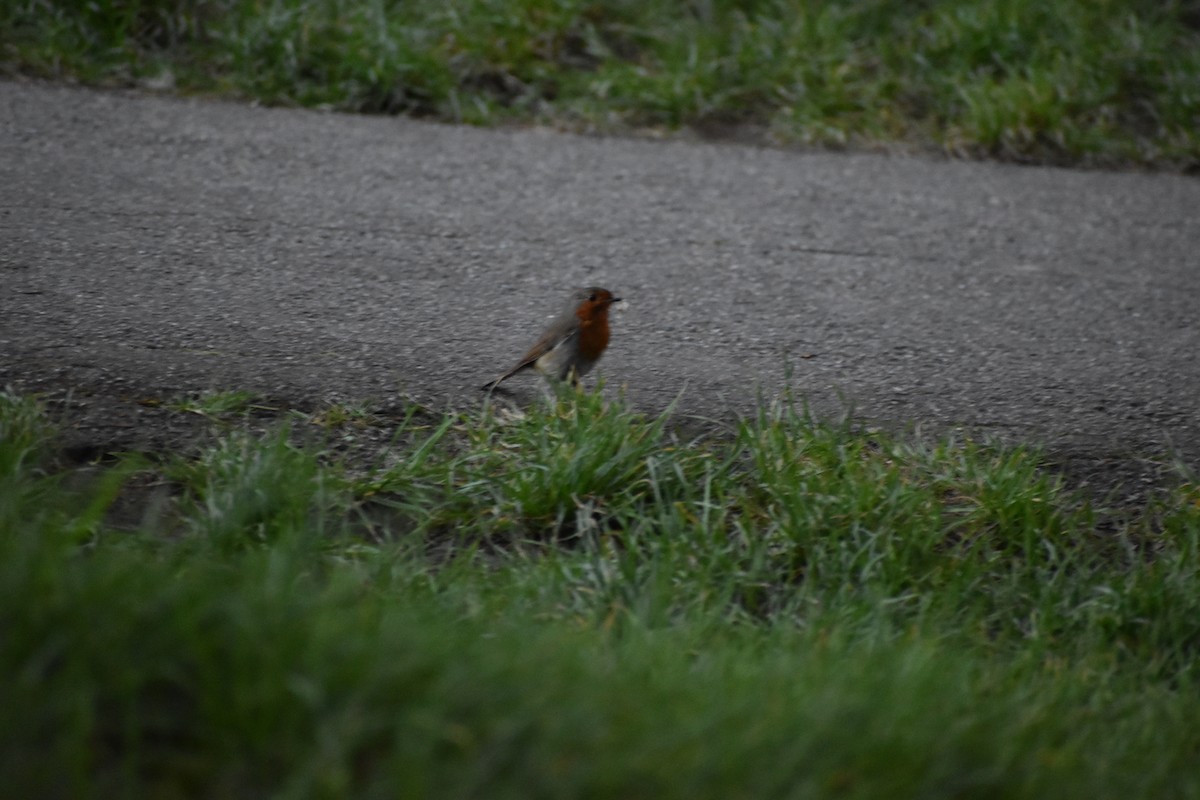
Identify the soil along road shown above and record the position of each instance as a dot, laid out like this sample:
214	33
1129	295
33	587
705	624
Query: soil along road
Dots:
155	246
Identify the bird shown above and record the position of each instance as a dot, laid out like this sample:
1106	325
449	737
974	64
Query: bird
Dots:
573	343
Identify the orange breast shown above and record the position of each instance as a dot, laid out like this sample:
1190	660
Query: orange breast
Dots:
593	331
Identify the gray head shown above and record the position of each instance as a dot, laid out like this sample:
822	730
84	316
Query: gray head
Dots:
593	296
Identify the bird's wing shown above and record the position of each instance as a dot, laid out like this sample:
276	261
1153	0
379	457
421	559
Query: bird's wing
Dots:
554	337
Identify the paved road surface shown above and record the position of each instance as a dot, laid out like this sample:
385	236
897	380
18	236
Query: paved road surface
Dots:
151	246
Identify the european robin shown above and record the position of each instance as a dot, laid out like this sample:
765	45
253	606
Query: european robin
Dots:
574	341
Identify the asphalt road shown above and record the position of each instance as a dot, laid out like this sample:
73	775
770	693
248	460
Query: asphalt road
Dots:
152	246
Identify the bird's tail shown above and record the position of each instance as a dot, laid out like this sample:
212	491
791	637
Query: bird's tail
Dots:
490	385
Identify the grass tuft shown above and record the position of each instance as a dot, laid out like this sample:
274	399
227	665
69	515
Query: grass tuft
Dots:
218	404
569	466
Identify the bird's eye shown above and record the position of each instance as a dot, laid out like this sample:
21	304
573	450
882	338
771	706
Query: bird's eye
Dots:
592	297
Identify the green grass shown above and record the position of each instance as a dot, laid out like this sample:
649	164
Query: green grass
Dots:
578	603
1069	81
218	405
